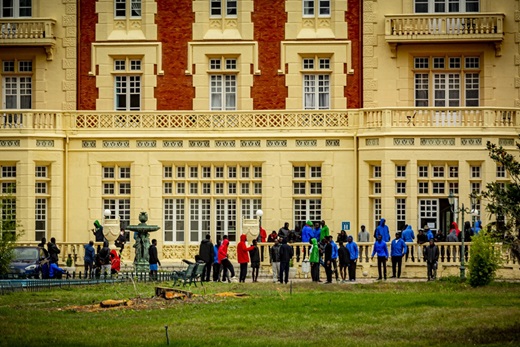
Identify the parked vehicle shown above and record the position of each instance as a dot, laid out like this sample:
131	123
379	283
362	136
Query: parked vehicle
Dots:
26	262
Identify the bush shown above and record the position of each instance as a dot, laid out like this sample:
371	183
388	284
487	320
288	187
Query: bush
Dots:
484	260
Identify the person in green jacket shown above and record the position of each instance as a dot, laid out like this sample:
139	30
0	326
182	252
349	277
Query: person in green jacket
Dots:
314	259
324	231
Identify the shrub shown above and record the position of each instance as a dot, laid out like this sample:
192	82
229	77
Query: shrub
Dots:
484	260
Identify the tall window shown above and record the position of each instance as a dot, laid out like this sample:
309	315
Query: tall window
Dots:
8	200
446	6
226	7
223	84
307	188
316	7
122	7
17	84
400	213
189	207
16	8
127	84
116	192
316	83
42	194
447	81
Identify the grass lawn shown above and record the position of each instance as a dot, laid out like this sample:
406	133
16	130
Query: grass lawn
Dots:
442	313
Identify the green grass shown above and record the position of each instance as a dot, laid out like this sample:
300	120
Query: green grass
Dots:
442	313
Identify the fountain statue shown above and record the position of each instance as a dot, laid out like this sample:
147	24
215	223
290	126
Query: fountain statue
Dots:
142	242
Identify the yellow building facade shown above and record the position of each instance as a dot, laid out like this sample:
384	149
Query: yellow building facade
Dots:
118	113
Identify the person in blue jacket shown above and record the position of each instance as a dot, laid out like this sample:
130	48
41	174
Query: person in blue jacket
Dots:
307	233
477	227
353	249
397	250
408	236
216	265
429	233
382	229
381	250
57	272
334	257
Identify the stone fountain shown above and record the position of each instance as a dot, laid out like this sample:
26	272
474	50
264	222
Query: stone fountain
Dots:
142	242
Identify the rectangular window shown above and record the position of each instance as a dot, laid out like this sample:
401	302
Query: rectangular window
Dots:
168	172
377	188
244	188
475	171
475	187
446	6
181	172
217	7
206	188
128	93
400	171
16	8
258	188
174	216
181	188
315	171
298	171
258	171
298	188
244	171
40	218
206	172
309	9
306	209
167	188
223	92
200	212
194	188
226	222
400	213
501	171
316	92
400	187
219	172
458	87
423	187
423	171
378	210
454	171
438	171
116	200
438	187
315	188
120	8
376	171
194	172
454	188
232	172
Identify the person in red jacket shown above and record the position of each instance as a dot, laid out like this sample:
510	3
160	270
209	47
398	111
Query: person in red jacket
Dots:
223	260
243	256
116	262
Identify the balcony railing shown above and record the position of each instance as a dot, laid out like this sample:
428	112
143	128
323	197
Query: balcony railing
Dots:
435	27
409	117
28	32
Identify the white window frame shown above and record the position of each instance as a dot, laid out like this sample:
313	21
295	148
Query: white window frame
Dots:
17	84
313	8
445	6
200	218
16	9
124	7
174	219
227	7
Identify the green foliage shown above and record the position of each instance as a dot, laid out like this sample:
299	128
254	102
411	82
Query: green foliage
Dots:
503	199
484	260
303	314
8	234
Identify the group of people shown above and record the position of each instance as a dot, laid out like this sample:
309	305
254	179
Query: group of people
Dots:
49	265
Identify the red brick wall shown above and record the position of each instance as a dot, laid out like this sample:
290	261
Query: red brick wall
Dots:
354	82
269	91
87	91
174	26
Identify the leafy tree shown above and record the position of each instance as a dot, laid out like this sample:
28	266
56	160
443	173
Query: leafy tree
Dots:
484	261
8	231
503	200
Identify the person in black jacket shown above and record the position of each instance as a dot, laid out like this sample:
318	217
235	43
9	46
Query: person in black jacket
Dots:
154	260
53	251
286	253
327	259
207	255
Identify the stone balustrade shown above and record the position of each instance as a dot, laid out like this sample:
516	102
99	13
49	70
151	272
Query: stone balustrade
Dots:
19	30
87	121
476	26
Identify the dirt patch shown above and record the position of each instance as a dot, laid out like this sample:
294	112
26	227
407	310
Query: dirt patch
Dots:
140	304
